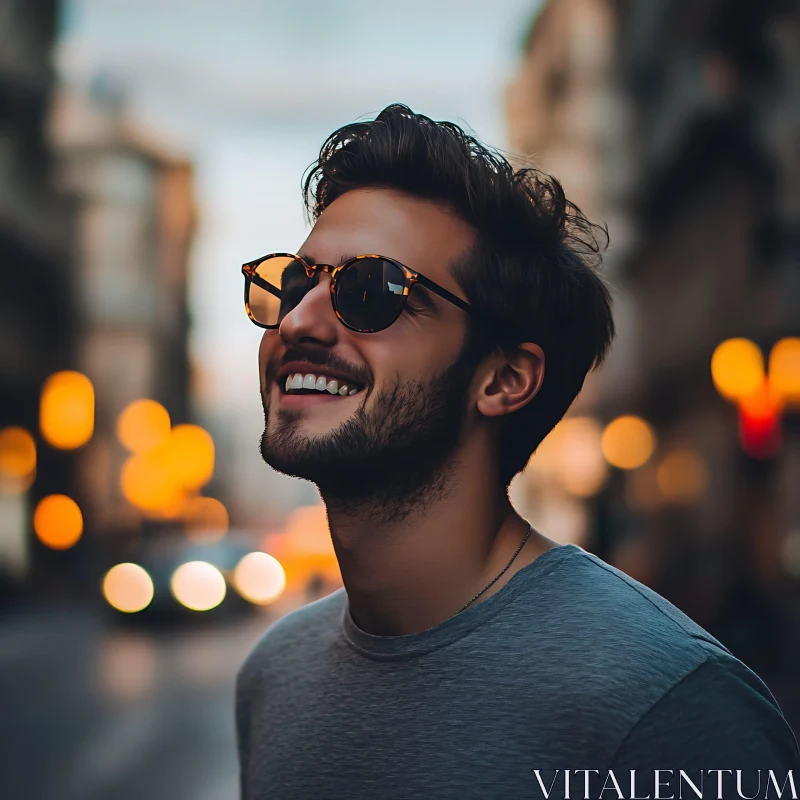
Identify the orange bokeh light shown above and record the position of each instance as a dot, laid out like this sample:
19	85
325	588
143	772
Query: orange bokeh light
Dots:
628	442
304	548
66	411
160	480
206	519
58	521
143	425
17	460
191	455
682	476
784	370
146	482
737	368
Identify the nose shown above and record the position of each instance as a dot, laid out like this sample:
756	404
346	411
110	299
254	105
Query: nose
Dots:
312	320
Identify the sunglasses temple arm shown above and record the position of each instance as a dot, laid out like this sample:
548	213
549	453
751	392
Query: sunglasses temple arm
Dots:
442	292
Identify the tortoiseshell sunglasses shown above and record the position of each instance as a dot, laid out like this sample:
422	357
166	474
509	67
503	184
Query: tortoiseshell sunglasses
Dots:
367	292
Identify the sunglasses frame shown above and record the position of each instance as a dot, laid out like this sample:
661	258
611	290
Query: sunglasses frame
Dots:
412	277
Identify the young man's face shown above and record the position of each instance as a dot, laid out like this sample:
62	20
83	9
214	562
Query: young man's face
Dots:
413	380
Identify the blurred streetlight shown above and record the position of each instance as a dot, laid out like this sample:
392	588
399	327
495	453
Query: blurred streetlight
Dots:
737	368
192	455
146	482
160	480
682	476
205	518
198	585
143	425
259	578
128	588
784	370
66	411
628	442
760	422
58	521
17	460
580	466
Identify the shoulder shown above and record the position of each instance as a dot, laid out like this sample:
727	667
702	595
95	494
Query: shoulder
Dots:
720	713
633	665
602	611
294	638
619	644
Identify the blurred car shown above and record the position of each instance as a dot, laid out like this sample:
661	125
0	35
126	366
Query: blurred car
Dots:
189	579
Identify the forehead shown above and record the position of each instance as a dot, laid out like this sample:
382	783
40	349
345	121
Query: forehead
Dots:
419	233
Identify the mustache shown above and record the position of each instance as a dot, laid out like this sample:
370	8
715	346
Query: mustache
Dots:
318	358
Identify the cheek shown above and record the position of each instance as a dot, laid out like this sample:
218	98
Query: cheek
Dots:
413	354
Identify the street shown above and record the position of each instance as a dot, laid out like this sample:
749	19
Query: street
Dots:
93	711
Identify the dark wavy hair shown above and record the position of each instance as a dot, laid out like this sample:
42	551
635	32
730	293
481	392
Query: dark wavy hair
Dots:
532	271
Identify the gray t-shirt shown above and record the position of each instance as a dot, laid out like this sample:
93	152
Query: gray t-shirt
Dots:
571	666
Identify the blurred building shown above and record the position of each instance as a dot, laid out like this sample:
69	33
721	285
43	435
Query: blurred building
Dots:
135	223
37	314
676	123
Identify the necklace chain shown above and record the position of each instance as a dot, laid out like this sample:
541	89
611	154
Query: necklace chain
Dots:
521	545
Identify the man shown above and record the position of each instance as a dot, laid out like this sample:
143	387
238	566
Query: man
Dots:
435	325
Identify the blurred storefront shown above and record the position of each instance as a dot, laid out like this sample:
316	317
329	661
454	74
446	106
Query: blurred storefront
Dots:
38	323
135	221
688	152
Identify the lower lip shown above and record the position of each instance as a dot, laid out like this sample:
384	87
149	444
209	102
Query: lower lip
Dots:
305	400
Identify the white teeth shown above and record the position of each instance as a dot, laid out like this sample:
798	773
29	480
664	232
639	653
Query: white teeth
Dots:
318	383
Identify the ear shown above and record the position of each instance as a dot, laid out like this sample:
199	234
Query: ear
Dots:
513	382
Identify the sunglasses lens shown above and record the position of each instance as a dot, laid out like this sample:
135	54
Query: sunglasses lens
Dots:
370	294
280	283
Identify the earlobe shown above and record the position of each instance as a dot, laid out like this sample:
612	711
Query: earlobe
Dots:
514	382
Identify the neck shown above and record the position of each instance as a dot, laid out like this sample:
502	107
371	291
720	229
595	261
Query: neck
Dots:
413	562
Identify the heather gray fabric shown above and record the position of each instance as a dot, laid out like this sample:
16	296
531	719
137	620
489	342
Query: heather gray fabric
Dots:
572	665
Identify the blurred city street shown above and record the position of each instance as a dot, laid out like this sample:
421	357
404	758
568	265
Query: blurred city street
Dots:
148	150
93	711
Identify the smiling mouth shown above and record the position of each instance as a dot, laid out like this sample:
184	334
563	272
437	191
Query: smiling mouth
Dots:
309	383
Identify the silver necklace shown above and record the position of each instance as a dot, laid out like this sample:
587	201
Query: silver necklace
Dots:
521	545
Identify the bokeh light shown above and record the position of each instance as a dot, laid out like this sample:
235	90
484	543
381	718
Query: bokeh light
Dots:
784	370
17	459
191	455
760	432
205	519
147	482
580	466
143	425
737	368
304	548
128	588
58	521
628	442
682	476
66	411
259	578
198	585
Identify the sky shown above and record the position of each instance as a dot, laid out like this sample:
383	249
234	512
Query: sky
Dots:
249	90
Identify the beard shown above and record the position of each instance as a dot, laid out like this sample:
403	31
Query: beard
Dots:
388	459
